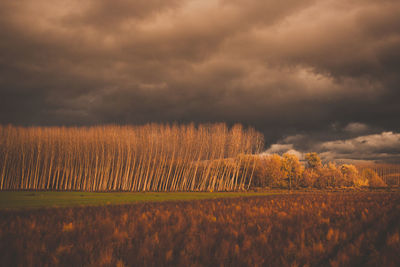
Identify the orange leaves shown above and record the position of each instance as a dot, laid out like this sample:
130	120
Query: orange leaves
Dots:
393	239
324	220
144	216
333	235
63	249
68	227
318	247
120	235
120	263
287	172
212	218
282	214
124	218
364	215
168	255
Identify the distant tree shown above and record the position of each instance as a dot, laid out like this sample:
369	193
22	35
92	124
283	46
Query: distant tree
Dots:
334	175
311	173
351	175
293	169
270	171
308	178
373	178
313	160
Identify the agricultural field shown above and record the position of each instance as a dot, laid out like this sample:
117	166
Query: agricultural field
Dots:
299	229
46	199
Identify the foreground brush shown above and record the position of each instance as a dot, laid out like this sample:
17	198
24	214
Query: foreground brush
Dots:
314	229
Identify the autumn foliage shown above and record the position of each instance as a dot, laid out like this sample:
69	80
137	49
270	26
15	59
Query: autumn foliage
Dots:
153	157
314	229
288	172
389	173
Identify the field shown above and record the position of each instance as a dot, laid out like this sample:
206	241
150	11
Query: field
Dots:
45	199
300	229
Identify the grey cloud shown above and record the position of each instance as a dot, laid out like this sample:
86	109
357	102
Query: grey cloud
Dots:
288	68
380	147
384	147
281	149
356	127
384	142
103	13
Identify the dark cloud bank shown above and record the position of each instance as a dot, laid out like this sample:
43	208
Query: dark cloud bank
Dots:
311	75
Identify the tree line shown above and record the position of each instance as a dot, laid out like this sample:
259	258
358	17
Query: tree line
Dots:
152	157
287	171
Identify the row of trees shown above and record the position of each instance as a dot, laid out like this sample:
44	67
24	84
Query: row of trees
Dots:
287	171
152	157
390	173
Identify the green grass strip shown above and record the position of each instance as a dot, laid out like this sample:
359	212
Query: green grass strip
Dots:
40	199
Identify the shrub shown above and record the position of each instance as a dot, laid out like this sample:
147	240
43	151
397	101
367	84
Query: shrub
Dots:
373	179
308	178
270	172
311	229
350	174
335	176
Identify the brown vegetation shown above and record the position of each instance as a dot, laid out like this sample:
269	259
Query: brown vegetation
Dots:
131	158
287	172
330	229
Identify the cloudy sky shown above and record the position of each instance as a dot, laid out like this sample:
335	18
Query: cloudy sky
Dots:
311	75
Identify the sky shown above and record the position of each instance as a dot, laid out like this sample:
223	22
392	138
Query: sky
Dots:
317	76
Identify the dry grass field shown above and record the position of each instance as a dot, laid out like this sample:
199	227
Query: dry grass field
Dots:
307	229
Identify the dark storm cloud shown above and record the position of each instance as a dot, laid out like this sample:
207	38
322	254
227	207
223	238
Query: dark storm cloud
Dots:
293	68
